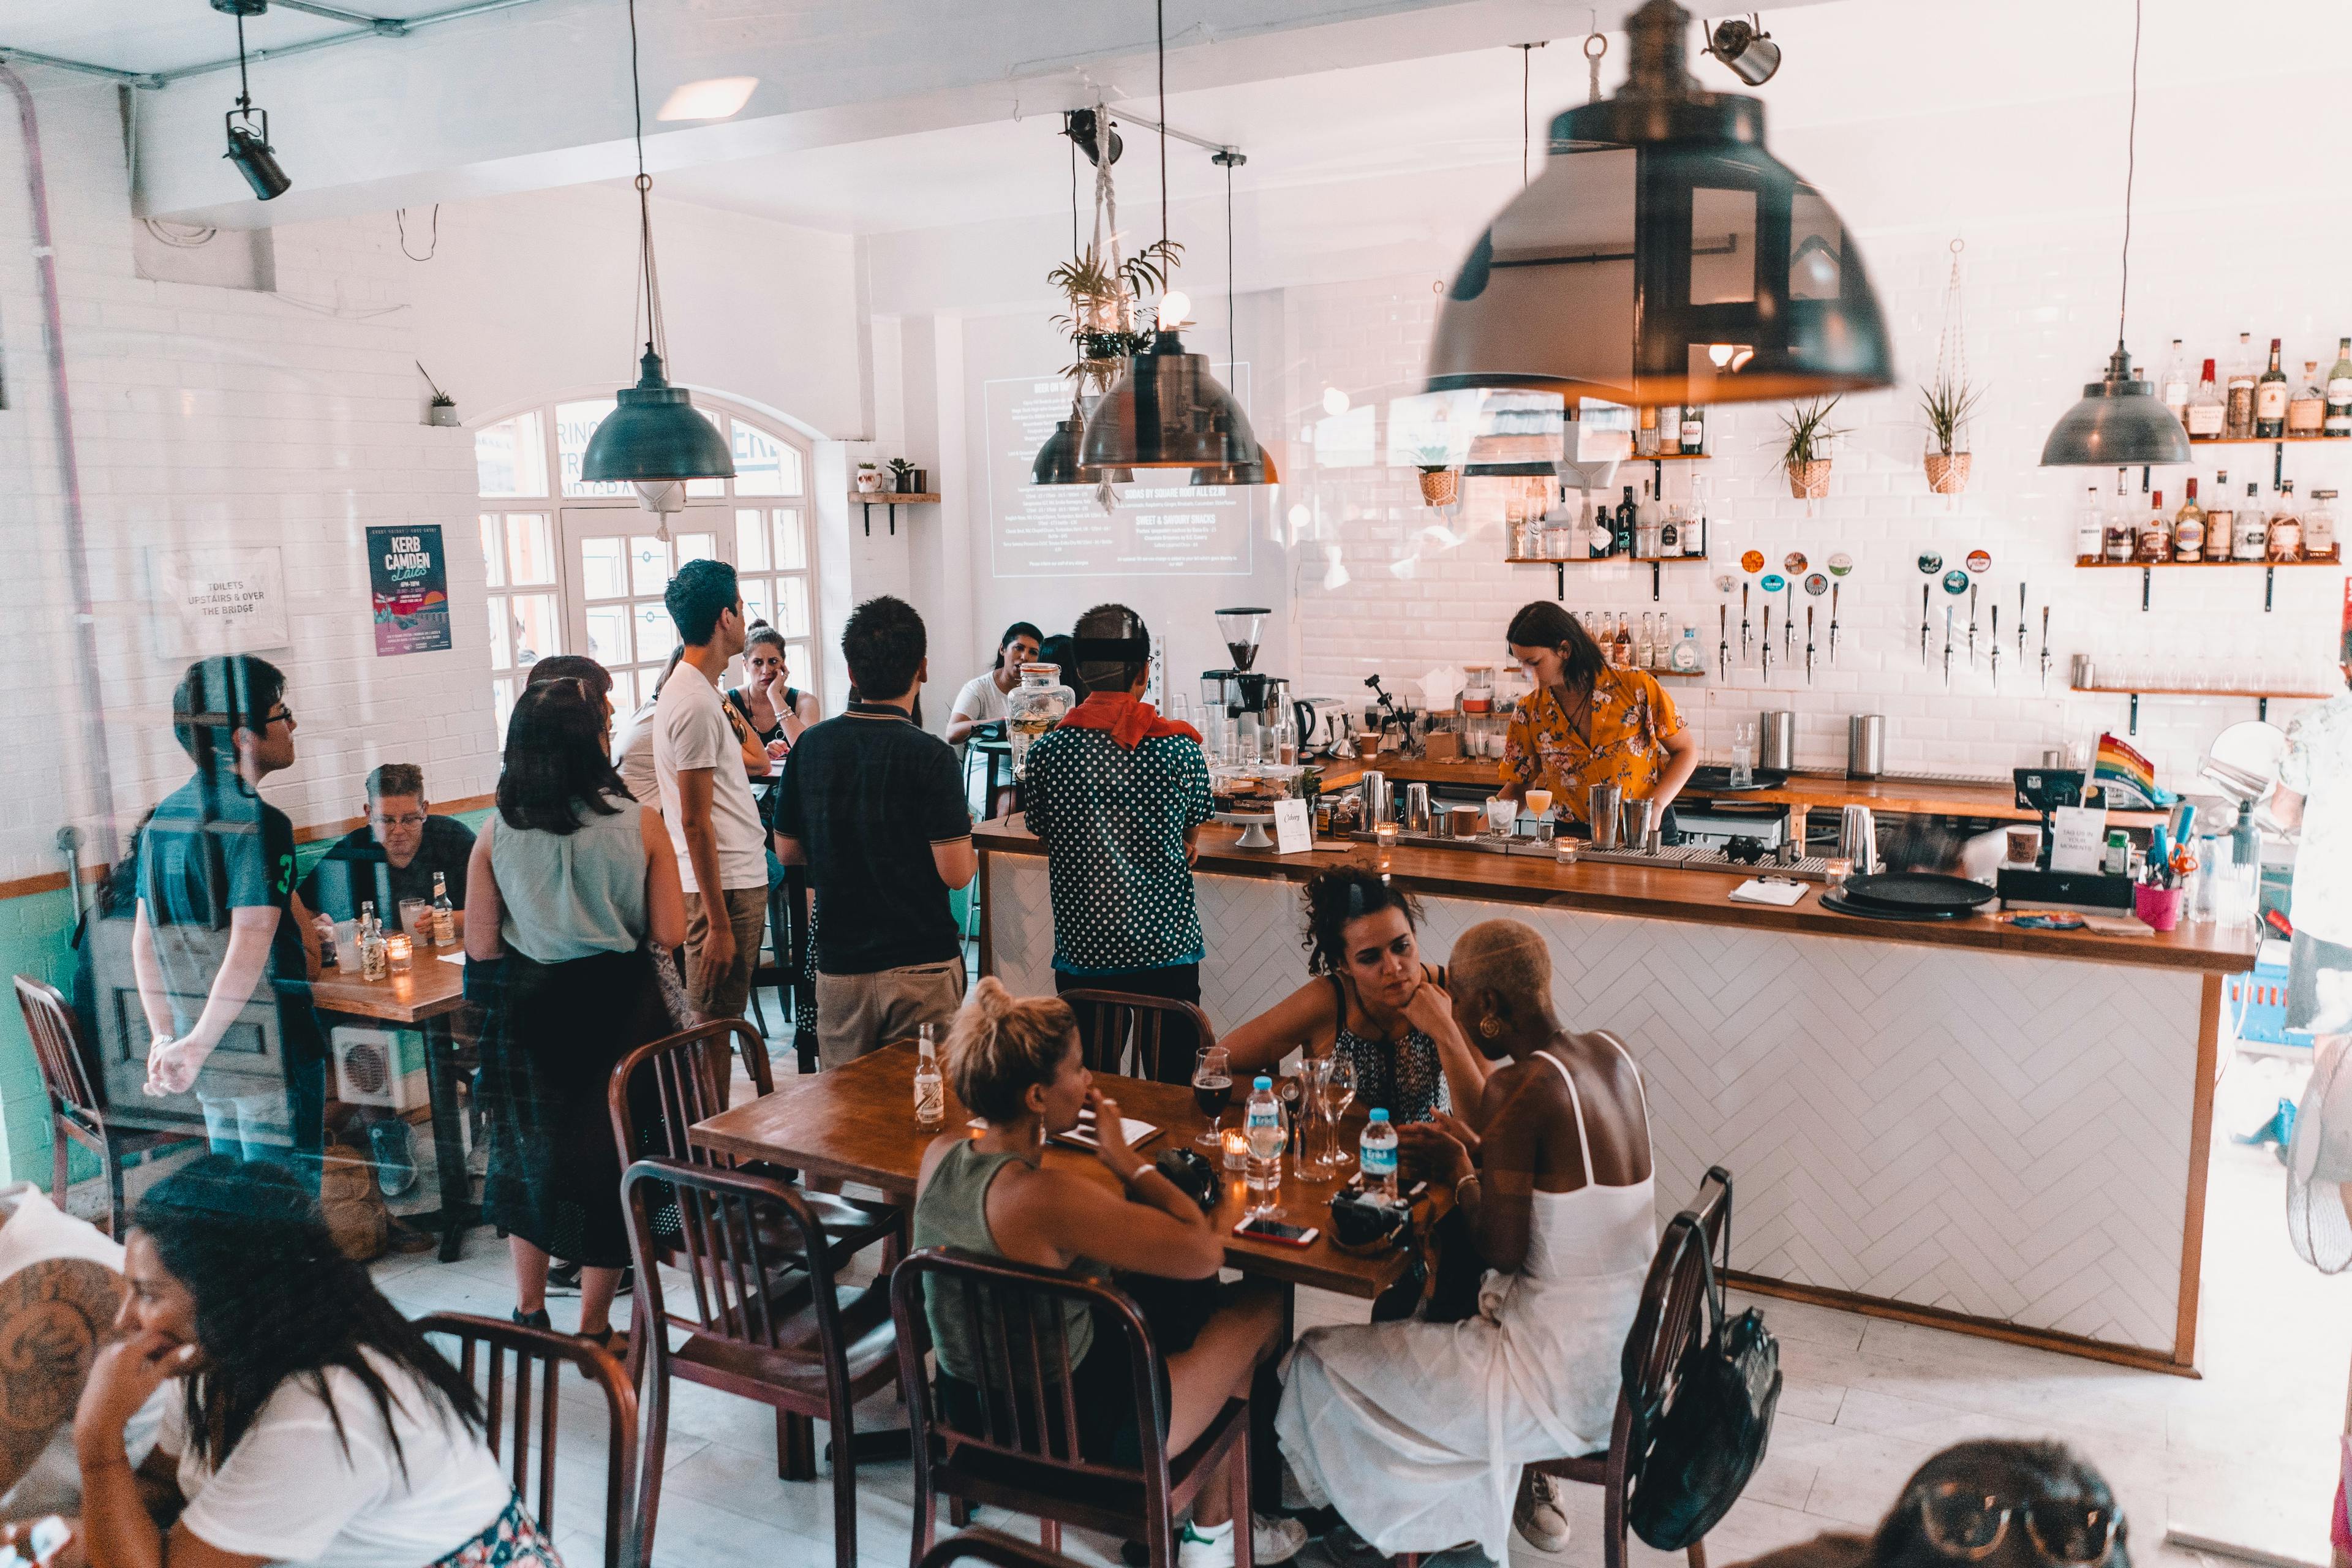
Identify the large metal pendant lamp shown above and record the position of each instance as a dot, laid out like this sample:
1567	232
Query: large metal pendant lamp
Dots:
1166	410
1663	256
654	432
1262	471
2120	420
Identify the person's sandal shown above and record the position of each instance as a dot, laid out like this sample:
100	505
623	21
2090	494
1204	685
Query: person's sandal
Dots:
613	1342
533	1320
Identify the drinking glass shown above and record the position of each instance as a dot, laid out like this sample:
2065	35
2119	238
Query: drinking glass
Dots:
416	918
1743	755
1502	817
1318	1135
1213	1090
1339	1093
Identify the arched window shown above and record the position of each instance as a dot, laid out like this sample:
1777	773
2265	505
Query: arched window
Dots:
579	567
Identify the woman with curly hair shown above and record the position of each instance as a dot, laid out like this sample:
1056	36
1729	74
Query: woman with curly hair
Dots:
314	1423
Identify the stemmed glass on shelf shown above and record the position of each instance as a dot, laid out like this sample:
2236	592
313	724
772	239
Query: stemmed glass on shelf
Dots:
1213	1090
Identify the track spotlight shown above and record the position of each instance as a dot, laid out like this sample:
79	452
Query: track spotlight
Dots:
1085	128
1747	49
249	141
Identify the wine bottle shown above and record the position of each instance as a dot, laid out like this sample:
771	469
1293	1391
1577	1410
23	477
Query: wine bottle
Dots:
2270	399
2337	419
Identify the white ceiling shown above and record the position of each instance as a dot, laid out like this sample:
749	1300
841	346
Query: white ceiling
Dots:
164	35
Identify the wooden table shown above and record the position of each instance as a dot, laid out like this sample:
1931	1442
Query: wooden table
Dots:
857	1123
427	999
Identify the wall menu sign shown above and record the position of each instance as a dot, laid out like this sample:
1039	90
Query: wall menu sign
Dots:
408	583
219	600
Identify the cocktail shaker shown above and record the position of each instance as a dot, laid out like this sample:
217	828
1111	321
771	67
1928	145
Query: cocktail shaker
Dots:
1858	839
1414	818
1603	801
1865	745
1378	806
1637	816
1776	740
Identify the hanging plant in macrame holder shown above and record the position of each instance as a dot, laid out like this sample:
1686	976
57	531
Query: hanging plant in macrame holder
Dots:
1947	402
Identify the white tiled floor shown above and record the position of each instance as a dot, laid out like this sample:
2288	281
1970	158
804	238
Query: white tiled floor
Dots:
2245	1453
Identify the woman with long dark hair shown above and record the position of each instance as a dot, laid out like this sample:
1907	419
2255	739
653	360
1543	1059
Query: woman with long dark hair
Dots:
569	877
1587	722
315	1424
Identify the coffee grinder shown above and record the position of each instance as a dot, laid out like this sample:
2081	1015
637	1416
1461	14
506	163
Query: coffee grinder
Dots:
1257	703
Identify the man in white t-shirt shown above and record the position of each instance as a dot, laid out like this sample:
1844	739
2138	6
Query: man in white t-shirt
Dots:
706	800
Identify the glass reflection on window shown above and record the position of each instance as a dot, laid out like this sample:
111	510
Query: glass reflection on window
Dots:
1723	246
1816	247
510	457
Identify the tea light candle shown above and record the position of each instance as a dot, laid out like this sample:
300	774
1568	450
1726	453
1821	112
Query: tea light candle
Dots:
398	951
1236	1149
1384	837
1835	872
1563	849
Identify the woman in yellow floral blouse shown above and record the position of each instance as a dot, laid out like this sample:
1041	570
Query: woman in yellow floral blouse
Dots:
1587	724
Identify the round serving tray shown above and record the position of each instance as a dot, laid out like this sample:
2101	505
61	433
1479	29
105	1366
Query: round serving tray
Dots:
1836	904
1917	892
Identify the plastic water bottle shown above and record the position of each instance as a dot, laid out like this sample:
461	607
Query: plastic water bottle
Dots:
1262	1126
1376	1156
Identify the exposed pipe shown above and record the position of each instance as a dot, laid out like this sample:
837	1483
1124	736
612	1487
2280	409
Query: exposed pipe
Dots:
76	539
27	56
368	27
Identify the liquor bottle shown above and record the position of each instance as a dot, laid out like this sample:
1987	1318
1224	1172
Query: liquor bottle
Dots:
930	1089
2189	528
2238	423
1626	513
1645	647
1693	430
2221	520
2253	540
2090	526
2155	539
2319	527
2270	399
373	965
1600	533
2337	420
1670	531
1688	658
1694	521
2123	537
2173	385
445	913
1620	649
2306	408
1645	434
2285	541
2205	408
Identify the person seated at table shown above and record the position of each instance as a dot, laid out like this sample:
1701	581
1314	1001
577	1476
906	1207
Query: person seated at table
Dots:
981	701
1416	1431
1370	1000
774	710
308	1421
1015	1064
395	858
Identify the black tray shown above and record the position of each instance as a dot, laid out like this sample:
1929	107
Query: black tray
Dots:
1716	777
1922	892
1836	904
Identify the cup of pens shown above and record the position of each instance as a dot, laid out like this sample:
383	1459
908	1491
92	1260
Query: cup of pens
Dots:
2156	898
2159	906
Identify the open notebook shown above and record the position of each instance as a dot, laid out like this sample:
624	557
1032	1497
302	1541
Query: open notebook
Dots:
1082	1136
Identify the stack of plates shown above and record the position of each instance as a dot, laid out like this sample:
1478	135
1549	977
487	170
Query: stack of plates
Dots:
1908	896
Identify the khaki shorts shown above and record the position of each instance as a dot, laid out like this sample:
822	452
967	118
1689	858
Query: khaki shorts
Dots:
859	1012
724	994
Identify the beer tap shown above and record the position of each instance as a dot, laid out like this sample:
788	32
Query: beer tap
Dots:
1947	648
1834	613
2045	650
1996	648
1743	623
1723	644
1972	625
1788	619
1765	653
2020	623
1924	590
1809	644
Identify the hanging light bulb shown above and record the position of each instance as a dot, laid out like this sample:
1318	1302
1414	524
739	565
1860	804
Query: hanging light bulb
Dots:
1175	309
2119	419
653	432
1663	256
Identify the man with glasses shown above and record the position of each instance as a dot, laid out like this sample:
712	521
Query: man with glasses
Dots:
222	948
395	857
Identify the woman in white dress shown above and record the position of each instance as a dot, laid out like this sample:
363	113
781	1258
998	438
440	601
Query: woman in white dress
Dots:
1416	1431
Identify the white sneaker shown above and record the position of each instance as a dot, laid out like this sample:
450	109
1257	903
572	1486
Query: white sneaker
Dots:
1538	1515
1271	1541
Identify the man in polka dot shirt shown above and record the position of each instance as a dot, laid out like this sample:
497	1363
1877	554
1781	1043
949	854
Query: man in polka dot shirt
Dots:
1118	794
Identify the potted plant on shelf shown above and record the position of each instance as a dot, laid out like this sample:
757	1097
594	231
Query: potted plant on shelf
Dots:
902	477
869	478
1805	452
1947	404
1439	484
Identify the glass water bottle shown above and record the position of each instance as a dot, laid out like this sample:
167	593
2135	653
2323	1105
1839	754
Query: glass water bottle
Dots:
1033	706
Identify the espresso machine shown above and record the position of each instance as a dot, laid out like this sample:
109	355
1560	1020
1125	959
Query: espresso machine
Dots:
1254	704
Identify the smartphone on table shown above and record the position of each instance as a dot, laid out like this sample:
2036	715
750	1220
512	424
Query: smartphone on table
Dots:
1266	1227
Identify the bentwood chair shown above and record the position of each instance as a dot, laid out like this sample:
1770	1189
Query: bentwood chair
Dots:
1165	1034
811	1357
993	1547
518	1401
76	1103
1027	1455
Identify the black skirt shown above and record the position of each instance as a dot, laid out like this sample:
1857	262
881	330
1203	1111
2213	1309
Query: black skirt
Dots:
553	1034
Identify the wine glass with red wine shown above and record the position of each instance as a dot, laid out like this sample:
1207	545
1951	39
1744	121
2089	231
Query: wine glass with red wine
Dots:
1213	1090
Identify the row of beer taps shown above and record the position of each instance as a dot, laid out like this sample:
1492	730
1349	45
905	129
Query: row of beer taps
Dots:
1926	599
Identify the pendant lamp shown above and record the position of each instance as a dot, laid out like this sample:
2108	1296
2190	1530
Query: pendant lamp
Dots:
1167	410
654	432
1663	256
2119	420
1262	471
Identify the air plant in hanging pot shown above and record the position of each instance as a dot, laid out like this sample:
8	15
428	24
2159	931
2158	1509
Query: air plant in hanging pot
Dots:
1102	317
1805	451
1948	404
1439	483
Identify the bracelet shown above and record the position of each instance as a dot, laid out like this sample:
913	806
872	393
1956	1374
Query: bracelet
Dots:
1458	1185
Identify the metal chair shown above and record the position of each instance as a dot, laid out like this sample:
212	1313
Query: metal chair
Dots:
812	1358
1029	1456
1165	1034
487	1347
76	1103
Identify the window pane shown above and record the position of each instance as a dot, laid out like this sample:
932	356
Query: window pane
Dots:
501	634
603	569
494	561
792	607
751	541
800	667
695	546
608	634
792	549
755	601
502	704
648	564
531	548
510	457
625	692
706	490
763	467
1723	246
574	422
536	633
656	633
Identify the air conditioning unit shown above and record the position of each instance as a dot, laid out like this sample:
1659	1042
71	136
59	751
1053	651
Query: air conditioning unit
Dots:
369	1069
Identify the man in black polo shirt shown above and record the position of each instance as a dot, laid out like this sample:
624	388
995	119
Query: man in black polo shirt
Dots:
396	856
222	949
875	808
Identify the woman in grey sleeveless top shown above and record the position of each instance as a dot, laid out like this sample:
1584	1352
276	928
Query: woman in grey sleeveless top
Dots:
566	883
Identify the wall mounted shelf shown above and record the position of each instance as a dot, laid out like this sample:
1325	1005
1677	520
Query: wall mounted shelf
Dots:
2147	569
1560	564
894	499
2261	699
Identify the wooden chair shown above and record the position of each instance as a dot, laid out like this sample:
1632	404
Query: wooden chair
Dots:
1165	1032
992	1546
487	1347
813	1359
76	1103
1029	1458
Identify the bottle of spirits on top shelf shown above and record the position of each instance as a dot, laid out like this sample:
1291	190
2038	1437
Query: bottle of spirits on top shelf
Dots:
2189	528
2155	533
1600	533
2091	526
1645	434
2172	383
1693	430
2285	541
2319	527
2337	420
2306	410
1626	512
2123	537
2205	408
2270	399
2238	423
2254	530
2221	520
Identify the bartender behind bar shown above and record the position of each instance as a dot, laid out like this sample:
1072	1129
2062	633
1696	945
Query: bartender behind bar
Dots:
1588	724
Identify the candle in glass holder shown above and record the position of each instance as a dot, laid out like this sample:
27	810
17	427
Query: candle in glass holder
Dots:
1835	872
1236	1149
1563	849
1384	837
399	950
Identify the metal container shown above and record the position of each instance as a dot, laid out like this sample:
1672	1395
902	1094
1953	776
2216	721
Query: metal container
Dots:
1858	839
1602	802
1865	745
2082	671
1776	740
1378	806
1414	818
1637	816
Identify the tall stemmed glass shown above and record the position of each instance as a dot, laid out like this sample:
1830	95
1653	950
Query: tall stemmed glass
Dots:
1319	1135
1213	1090
1339	1093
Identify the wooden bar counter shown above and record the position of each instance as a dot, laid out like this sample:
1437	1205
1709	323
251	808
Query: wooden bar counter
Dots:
1963	1124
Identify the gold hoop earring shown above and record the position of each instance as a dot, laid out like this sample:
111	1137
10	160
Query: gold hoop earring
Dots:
1490	1026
